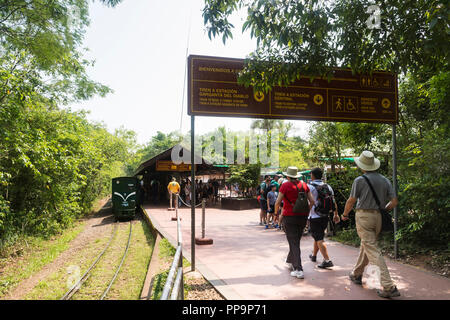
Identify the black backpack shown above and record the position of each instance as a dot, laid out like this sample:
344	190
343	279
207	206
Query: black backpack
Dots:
324	204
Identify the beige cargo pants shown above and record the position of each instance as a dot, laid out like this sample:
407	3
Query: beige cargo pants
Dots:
368	226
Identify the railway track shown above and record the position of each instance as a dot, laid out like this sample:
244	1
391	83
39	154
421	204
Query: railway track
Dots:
77	286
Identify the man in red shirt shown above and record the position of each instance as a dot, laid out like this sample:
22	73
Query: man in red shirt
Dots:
294	222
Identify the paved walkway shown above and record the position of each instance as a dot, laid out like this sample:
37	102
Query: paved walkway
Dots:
247	262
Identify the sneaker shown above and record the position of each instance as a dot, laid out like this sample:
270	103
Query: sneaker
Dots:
276	226
393	292
313	258
261	224
327	264
355	279
298	274
267	227
289	265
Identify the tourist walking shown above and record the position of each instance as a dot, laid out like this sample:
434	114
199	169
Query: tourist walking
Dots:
174	189
263	190
368	219
271	199
297	204
324	206
187	191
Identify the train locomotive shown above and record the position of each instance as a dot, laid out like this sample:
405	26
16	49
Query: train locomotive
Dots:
126	195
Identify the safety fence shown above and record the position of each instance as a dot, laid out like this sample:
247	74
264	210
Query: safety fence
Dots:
175	280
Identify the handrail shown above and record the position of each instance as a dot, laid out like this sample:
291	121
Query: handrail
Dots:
175	281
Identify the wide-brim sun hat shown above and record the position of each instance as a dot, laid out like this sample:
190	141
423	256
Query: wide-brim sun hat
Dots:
367	161
292	172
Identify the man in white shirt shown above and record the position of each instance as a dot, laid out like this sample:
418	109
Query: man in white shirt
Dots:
319	220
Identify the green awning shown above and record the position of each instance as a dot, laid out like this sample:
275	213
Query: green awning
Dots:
340	159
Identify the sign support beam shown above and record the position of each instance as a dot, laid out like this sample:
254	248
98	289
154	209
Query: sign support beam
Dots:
192	194
395	185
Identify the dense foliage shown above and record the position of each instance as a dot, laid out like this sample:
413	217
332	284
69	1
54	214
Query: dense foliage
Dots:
53	162
246	176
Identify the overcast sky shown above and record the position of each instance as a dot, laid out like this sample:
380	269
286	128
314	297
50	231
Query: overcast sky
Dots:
140	52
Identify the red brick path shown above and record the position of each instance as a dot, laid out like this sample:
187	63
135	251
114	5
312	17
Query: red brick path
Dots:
247	262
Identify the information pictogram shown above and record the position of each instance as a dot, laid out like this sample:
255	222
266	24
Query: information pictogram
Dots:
345	104
259	96
318	99
386	103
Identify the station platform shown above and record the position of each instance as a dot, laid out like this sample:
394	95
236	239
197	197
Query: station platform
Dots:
248	262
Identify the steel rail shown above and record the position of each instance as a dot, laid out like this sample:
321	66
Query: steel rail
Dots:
176	269
170	277
78	284
176	292
118	268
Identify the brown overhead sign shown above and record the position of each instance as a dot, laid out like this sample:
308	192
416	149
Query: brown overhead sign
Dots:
167	165
214	91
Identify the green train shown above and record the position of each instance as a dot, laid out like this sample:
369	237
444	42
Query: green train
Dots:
126	195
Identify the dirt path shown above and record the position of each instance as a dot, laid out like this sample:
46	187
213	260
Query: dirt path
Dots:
97	224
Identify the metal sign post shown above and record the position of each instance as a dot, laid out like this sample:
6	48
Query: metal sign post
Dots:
394	180
193	194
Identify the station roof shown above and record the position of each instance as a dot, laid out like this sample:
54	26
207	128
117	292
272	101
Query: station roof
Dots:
202	168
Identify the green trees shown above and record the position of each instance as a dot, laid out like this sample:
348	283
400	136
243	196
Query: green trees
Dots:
157	144
53	162
245	176
311	37
424	153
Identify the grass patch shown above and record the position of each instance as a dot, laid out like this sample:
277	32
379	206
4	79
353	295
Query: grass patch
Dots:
347	236
166	255
57	283
35	253
130	280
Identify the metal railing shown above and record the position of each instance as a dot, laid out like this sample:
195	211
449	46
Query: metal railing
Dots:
175	280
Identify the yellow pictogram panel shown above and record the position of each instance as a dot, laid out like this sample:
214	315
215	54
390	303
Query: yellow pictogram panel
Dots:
259	96
318	99
385	103
345	104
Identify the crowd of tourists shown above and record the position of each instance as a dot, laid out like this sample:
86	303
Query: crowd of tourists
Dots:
293	205
203	190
